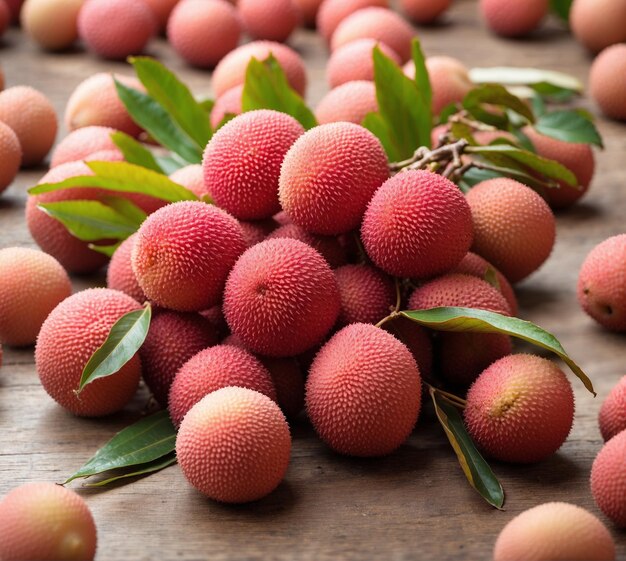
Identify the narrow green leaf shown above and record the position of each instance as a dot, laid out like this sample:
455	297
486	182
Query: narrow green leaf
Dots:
91	221
134	152
126	208
561	8
569	126
476	175
495	94
143	469
511	76
474	466
266	87
145	441
175	97
149	114
374	123
207	104
482	321
554	93
422	79
170	164
107	250
126	336
125	178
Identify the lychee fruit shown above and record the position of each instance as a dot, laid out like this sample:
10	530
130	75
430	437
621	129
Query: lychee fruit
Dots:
5	17
15	7
514	227
376	23
215	316
231	70
513	19
281	298
95	102
602	283
192	178
52	24
120	275
608	479
354	61
367	295
520	409
172	340
106	156
161	9
328	246
202	32
363	393
242	162
417	339
555	531
183	253
329	175
10	156
449	80
130	24
234	445
598	24
229	103
32	284
424	11
288	381
607	82
46	521
332	12
272	20
71	334
418	224
612	417
350	102
81	143
33	120
308	10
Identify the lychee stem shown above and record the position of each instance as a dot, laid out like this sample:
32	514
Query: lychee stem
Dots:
449	397
424	156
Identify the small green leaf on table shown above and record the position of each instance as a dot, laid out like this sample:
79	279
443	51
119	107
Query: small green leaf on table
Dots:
137	471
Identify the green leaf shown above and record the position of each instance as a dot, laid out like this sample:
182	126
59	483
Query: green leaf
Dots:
207	104
125	178
124	340
476	175
134	152
375	123
107	250
554	93
91	221
422	79
174	96
482	321
147	440
495	94
126	208
569	126
511	76
266	87
149	114
143	469
474	466
170	164
561	8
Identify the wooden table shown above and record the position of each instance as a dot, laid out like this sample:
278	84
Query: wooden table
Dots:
412	504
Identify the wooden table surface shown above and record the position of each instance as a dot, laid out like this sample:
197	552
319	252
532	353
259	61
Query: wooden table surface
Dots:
414	504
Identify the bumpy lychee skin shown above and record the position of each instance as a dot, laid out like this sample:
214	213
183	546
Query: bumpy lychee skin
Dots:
607	83
376	23
191	177
418	224
354	61
329	175
52	24
598	24
72	332
229	103
33	120
203	31
608	479
256	231
308	10
350	102
555	531
214	368
513	20
48	522
272	20
476	266
328	246
120	274
417	339
172	340
514	227
602	283
424	11
243	159
367	295
161	10
520	409
231	71
183	254
575	156
130	24
449	80
32	284
10	156
281	298
95	102
234	445
363	393
612	417
333	12
81	143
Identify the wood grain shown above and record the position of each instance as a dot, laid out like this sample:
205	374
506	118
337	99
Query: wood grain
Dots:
413	504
